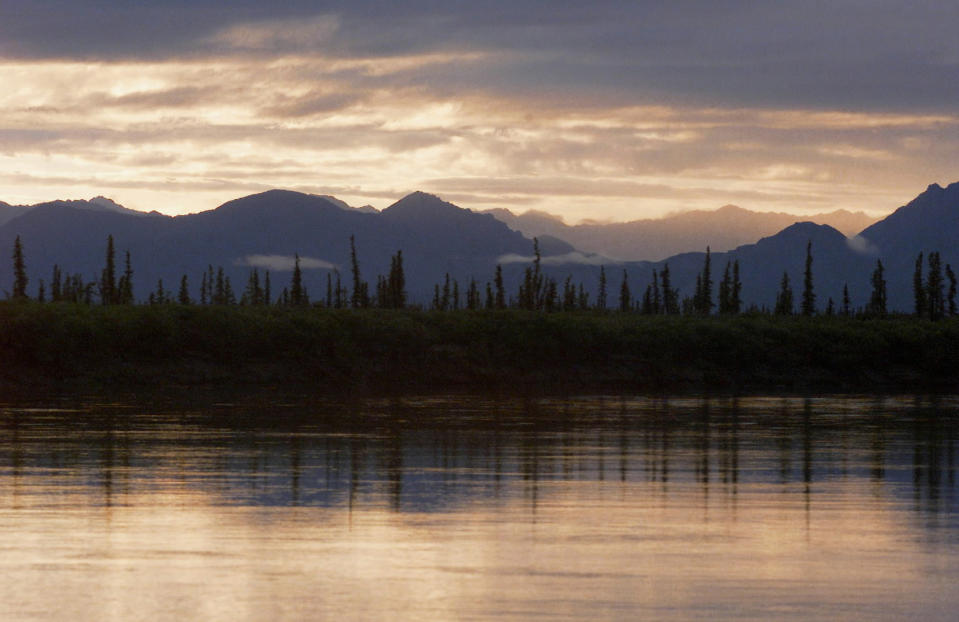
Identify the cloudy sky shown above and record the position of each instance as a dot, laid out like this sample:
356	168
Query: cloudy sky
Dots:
606	110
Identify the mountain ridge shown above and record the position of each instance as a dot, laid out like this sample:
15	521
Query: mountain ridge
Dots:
439	238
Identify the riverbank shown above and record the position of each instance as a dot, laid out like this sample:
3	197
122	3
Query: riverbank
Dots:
350	351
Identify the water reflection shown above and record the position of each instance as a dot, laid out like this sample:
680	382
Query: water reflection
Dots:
592	508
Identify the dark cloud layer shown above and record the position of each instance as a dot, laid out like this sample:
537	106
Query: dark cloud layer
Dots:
845	54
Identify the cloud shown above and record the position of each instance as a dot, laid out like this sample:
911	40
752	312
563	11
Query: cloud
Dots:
284	263
862	246
572	258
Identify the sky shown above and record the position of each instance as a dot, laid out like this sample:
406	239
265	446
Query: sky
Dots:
601	110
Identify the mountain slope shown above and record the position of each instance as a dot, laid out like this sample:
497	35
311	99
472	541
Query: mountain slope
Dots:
655	239
265	230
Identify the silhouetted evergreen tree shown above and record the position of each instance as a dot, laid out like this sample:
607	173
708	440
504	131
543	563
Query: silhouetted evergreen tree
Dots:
500	290
339	292
919	289
253	293
219	293
877	300
361	297
125	286
473	296
846	307
19	271
56	285
601	296
229	298
725	285
490	298
158	296
702	302
625	297
656	299
298	297
550	301
784	300
670	295
183	297
830	307
582	298
646	308
267	300
396	283
41	292
108	281
569	294
951	298
935	301
808	295
735	291
204	289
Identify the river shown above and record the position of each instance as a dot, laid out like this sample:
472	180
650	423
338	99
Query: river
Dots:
281	507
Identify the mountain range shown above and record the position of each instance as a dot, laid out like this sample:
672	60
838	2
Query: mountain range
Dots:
658	238
436	237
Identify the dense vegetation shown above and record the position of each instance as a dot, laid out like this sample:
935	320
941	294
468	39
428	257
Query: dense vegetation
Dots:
545	337
509	350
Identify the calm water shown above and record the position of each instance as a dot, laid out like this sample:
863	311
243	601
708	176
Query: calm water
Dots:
466	509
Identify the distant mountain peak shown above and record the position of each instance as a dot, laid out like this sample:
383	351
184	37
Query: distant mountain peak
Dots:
275	198
422	204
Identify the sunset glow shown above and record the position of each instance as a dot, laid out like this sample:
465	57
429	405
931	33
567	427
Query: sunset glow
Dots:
585	114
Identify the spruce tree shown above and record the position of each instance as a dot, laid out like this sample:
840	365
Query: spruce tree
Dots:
846	306
877	300
919	289
725	285
108	281
808	295
19	271
935	302
56	285
360	298
228	297
657	299
472	296
736	290
125	286
219	295
703	302
396	283
646	308
297	294
183	297
41	292
204	288
601	296
266	289
569	294
670	295
784	300
625	297
500	290
951	299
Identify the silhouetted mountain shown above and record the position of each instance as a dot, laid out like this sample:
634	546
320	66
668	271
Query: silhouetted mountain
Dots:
9	212
437	237
655	239
265	230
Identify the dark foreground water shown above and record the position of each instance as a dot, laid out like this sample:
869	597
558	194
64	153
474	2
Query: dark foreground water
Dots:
470	509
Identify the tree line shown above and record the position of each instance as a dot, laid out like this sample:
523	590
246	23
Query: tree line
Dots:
934	290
